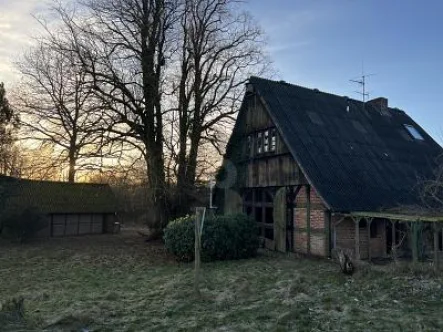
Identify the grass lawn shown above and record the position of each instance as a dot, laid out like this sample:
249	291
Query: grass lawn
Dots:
120	283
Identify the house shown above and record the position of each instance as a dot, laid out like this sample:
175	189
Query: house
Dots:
69	209
319	171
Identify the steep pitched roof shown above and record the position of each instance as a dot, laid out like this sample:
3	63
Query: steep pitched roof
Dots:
358	158
56	197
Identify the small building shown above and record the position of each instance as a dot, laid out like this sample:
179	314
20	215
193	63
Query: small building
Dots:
319	171
69	209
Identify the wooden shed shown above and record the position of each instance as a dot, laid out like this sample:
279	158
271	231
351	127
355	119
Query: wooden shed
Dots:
69	209
318	171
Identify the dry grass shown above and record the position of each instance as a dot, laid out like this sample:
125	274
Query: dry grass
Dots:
121	283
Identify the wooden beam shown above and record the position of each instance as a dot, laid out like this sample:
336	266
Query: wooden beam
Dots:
52	226
393	222
368	226
394	216
339	221
308	217
436	249
414	241
357	237
327	219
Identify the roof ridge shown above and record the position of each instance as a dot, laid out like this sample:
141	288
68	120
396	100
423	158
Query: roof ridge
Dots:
52	182
282	82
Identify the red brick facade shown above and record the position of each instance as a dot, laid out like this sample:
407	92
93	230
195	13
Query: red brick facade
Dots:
310	235
343	236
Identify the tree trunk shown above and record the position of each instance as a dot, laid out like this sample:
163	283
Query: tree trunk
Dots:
157	183
72	164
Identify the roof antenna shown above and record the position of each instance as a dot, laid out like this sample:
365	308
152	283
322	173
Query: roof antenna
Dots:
361	81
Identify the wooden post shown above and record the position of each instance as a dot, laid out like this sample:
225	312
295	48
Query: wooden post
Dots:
357	238
199	221
393	240
393	234
368	225
436	262
414	231
308	218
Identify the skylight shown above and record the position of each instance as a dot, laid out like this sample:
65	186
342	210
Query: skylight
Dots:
414	132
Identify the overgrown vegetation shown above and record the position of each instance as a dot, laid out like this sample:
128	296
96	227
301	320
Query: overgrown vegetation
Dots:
121	283
24	225
223	238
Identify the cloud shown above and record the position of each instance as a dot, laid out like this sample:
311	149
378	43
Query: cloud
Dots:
17	25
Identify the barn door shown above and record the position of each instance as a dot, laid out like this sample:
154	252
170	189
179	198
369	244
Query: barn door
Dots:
280	220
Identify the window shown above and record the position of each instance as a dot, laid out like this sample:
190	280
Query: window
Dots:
248	196
414	132
259	143
248	211
273	140
269	215
258	214
266	141
269	233
259	206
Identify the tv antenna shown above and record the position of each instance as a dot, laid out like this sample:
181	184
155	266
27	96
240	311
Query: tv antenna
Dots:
361	81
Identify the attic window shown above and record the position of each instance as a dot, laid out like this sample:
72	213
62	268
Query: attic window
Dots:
414	132
266	141
259	143
273	140
315	118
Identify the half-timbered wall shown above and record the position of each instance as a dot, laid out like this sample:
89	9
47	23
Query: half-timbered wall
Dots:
265	172
311	235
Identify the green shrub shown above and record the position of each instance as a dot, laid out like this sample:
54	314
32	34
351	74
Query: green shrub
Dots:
223	238
24	225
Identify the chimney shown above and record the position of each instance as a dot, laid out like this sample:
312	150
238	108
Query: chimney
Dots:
379	103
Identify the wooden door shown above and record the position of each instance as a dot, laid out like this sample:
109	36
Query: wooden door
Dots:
280	220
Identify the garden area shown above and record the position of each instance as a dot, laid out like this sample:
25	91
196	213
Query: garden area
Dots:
123	283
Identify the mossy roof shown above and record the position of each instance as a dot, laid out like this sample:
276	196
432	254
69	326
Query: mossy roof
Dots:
56	197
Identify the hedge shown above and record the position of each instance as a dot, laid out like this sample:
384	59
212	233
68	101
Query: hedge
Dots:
223	238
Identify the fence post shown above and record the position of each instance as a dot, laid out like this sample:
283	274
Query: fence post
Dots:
199	222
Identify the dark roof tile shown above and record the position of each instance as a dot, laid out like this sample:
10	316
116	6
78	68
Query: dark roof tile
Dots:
56	197
361	159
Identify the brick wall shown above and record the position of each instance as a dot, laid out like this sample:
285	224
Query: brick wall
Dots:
315	243
344	236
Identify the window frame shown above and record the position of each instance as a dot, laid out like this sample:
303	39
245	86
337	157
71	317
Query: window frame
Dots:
261	206
413	132
259	142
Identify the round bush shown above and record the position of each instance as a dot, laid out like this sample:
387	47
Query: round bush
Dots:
223	238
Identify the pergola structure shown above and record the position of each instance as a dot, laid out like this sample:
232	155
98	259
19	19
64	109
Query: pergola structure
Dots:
413	219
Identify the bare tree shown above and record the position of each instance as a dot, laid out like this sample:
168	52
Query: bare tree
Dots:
170	73
8	126
220	49
59	108
123	46
431	191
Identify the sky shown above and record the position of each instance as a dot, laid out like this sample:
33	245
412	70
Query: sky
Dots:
320	44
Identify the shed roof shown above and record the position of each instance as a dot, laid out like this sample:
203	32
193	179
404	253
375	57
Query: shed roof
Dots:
358	157
56	197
